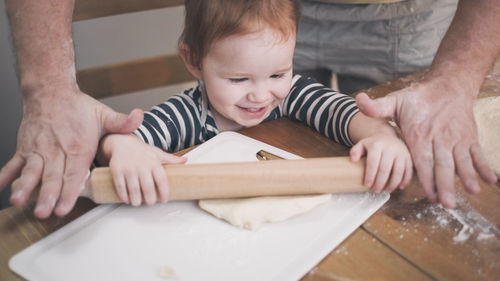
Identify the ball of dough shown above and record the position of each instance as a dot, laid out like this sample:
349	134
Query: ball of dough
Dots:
487	115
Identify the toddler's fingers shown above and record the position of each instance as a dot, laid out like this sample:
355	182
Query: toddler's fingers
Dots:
160	178
171	159
372	163
408	175
398	170
148	187
120	186
134	190
383	172
357	152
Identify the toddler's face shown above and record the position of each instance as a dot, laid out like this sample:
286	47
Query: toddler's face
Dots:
247	76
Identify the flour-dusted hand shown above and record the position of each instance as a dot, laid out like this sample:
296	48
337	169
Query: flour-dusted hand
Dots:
61	126
56	143
435	113
438	126
137	168
388	162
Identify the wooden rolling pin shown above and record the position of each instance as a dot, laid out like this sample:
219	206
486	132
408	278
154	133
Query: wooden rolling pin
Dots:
246	179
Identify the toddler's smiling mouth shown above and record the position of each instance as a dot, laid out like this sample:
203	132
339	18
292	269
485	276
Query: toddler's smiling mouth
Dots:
254	111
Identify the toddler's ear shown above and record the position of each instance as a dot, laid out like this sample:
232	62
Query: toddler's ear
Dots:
193	69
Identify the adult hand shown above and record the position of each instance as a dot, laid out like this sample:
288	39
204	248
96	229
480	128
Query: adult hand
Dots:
56	144
437	123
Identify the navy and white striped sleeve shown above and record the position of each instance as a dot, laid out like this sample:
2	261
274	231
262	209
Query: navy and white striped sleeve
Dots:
171	125
321	108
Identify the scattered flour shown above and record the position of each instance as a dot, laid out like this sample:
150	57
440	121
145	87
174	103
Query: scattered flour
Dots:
342	250
470	222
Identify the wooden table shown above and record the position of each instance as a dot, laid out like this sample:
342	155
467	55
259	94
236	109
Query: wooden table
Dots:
407	239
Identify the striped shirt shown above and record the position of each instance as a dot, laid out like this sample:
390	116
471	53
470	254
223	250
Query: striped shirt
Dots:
186	119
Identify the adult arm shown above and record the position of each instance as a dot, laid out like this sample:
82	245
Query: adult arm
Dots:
435	114
61	126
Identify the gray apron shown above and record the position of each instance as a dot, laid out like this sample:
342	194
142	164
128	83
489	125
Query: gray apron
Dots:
371	42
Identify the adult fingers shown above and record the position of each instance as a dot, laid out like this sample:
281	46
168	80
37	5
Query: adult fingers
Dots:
50	190
75	173
114	122
160	178
29	179
481	164
465	168
423	159
378	108
11	170
444	170
383	172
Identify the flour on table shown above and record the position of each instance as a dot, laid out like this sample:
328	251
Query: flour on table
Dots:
487	115
250	213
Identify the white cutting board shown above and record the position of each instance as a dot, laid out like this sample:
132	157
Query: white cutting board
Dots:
120	242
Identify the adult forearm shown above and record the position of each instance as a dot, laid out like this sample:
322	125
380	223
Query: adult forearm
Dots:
471	44
41	30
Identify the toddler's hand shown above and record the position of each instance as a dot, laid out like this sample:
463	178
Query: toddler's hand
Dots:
137	170
388	162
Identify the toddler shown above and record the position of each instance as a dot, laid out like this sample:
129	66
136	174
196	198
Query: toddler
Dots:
241	52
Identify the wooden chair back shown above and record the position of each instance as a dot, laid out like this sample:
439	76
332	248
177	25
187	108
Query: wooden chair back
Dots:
129	76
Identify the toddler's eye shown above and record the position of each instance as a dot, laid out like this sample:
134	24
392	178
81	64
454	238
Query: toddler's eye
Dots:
276	76
238	80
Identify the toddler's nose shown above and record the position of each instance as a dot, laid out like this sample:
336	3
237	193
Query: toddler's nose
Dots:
259	95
